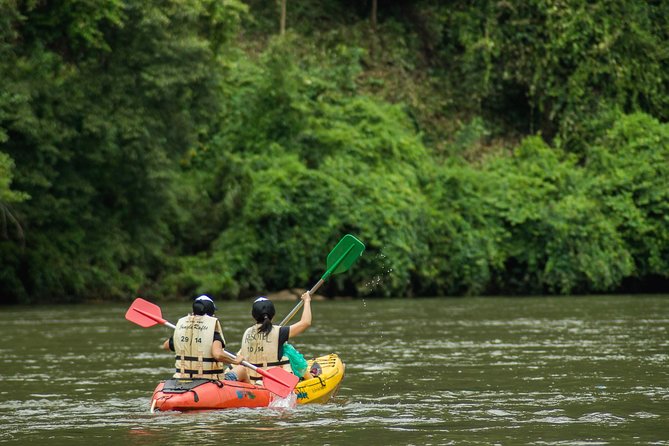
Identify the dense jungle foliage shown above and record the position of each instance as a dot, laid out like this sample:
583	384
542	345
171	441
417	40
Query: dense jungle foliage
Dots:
165	148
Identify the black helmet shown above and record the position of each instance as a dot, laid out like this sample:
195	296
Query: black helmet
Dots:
262	306
204	305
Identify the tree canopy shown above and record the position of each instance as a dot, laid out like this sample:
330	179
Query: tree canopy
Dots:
185	146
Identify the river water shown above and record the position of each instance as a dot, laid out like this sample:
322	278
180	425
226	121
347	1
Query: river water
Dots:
509	371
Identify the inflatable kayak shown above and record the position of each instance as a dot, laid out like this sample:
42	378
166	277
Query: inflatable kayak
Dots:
204	394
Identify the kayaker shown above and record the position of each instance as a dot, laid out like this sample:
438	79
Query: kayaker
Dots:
198	342
263	343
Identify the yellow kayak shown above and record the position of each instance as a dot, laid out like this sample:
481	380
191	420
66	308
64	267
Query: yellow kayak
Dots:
323	387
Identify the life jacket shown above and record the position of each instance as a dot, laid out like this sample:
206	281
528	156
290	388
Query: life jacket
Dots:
193	339
262	350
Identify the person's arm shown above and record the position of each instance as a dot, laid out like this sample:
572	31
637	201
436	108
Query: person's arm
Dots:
166	345
220	356
305	321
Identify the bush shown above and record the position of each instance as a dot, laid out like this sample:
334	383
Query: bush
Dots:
629	167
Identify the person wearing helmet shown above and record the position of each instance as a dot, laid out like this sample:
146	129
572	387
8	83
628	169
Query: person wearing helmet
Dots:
263	343
198	342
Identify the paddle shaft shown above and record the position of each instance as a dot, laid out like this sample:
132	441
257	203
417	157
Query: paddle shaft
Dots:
331	270
297	307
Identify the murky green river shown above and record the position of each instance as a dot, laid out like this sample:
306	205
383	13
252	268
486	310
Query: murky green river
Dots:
507	371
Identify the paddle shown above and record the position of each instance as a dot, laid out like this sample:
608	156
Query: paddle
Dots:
339	260
146	314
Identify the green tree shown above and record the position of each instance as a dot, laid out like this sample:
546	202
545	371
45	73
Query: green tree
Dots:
8	197
547	66
302	162
102	101
560	237
629	167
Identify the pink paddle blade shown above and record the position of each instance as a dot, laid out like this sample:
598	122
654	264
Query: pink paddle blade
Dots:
144	313
279	381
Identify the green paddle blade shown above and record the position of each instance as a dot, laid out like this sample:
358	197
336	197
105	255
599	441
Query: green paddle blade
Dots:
343	255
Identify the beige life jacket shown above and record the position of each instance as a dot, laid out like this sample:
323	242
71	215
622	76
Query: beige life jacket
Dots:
193	339
262	350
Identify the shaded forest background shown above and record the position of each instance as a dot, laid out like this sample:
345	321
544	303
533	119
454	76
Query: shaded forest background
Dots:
174	147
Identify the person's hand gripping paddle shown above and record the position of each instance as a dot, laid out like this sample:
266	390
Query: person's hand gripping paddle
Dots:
279	381
339	260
